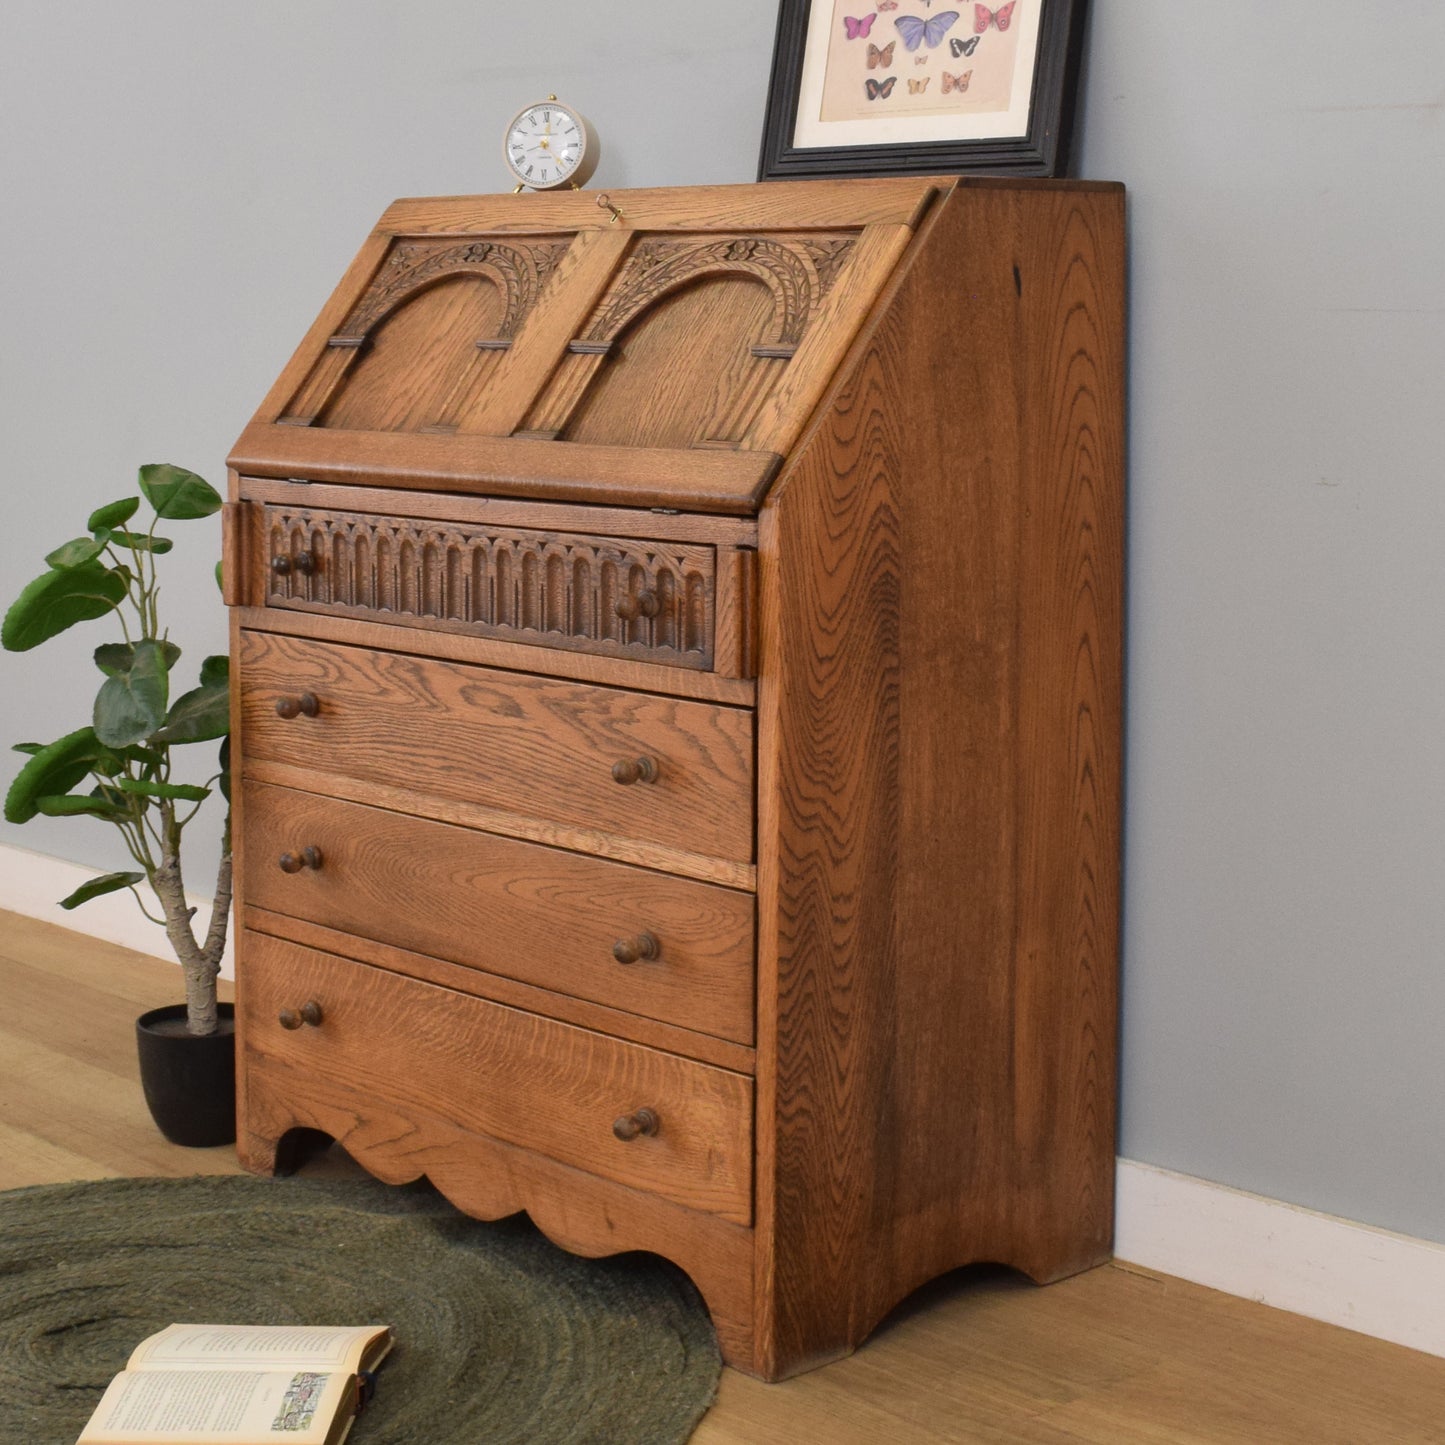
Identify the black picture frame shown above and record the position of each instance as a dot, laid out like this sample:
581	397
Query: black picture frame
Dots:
1043	151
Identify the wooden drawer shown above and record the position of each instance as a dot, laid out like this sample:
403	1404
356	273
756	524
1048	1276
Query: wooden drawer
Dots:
516	1076
543	915
536	747
650	601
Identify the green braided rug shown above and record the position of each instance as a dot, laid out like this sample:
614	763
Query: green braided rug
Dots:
500	1336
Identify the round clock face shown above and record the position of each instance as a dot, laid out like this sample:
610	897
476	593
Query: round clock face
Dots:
549	145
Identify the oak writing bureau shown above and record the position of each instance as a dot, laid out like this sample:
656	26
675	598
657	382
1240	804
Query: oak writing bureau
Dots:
678	731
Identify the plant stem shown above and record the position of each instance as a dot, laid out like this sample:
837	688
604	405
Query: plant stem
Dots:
199	963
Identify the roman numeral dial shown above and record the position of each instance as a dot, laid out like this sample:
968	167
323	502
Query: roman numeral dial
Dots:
549	145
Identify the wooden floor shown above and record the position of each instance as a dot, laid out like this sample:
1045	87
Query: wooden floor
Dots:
1116	1356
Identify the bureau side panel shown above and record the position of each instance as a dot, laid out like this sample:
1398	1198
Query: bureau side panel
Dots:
938	772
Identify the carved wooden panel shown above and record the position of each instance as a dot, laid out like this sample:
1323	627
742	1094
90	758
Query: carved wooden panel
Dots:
422	340
701	326
653	601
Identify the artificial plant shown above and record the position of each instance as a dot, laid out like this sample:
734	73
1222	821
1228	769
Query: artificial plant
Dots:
125	754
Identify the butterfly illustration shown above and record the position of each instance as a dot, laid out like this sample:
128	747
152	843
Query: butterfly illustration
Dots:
880	90
880	59
888	4
983	17
956	82
963	47
916	32
917	87
855	28
920	60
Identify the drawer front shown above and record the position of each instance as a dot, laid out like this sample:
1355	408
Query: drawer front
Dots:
534	746
647	600
663	947
516	1076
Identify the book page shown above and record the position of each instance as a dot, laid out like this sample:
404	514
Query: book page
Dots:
229	1407
308	1347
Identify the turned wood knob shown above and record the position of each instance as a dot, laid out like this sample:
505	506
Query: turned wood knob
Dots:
303	562
308	1013
639	1122
307	705
641	604
292	863
629	950
635	770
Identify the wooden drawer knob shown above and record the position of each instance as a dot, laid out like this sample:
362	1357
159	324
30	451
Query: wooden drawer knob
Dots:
309	857
634	770
641	604
635	1125
303	562
629	950
307	705
308	1013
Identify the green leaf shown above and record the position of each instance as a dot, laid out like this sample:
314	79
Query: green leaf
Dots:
74	552
216	671
151	758
225	764
106	883
71	805
113	514
197	716
58	600
220	581
142	543
131	705
175	492
56	768
31	748
116	658
189	791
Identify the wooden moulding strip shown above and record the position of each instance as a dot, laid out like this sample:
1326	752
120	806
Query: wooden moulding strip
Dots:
639	851
688	1043
780	205
662	526
511	656
688	480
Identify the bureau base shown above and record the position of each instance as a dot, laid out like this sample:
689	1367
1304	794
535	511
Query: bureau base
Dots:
489	1179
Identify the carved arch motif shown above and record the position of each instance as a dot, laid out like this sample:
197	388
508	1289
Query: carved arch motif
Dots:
519	268
790	270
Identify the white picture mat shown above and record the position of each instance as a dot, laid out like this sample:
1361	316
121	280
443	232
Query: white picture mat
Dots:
810	131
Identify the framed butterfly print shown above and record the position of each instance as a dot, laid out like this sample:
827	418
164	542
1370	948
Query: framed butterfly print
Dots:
990	88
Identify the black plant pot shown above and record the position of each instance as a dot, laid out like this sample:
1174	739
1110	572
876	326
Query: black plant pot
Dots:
189	1079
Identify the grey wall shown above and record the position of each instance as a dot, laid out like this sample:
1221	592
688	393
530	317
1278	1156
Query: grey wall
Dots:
183	184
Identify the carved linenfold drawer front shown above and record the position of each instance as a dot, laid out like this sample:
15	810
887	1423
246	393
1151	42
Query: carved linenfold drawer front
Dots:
633	765
641	1117
652	601
667	948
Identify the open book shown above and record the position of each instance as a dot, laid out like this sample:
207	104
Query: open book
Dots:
240	1385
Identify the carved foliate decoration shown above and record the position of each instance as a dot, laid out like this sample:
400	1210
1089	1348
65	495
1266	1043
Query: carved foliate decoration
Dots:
518	267
797	272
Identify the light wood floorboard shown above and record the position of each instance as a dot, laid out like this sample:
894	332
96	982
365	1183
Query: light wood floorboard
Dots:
1118	1356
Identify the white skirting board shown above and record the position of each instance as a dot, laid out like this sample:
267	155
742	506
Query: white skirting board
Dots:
1366	1279
1386	1285
33	883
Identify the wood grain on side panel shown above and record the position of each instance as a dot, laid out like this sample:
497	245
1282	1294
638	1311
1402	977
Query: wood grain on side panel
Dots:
1070	723
940	743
